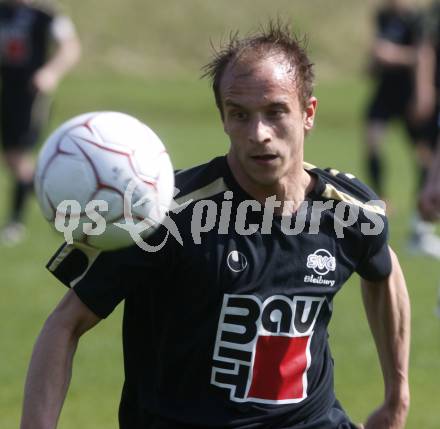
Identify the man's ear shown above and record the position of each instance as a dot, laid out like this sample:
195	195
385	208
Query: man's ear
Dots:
309	113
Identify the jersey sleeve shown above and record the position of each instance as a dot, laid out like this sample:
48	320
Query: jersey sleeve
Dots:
62	28
103	279
372	225
375	263
96	277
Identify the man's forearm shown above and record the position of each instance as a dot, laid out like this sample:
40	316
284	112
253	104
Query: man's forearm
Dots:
47	77
391	54
48	376
65	57
388	312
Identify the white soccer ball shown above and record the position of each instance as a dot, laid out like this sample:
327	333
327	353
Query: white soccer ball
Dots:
102	175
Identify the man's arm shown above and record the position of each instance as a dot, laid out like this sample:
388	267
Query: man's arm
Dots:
425	91
388	311
426	94
64	57
390	54
429	200
50	368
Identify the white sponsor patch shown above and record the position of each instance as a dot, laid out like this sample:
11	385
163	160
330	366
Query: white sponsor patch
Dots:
321	262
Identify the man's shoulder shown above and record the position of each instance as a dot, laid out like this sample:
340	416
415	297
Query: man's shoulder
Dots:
387	16
348	188
202	181
384	16
39	13
42	10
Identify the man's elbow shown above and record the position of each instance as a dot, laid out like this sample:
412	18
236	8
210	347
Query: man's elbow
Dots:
72	51
71	317
58	326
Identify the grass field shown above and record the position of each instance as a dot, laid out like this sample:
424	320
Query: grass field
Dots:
132	58
183	114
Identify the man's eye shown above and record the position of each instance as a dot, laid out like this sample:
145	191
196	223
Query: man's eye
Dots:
275	113
239	115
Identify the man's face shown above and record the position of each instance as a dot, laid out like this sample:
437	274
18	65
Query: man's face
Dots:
264	120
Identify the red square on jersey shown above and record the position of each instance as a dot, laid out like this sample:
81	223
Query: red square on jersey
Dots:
279	368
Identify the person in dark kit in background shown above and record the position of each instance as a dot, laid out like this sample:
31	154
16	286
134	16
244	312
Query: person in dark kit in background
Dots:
428	101
30	70
393	65
428	96
228	328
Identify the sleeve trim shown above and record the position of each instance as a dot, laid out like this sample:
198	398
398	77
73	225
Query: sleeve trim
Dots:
59	257
332	193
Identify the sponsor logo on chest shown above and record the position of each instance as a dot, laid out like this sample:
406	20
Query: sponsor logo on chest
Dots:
262	350
321	262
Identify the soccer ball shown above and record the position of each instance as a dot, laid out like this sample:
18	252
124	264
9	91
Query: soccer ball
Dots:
104	179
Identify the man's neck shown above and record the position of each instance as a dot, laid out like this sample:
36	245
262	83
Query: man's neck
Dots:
291	190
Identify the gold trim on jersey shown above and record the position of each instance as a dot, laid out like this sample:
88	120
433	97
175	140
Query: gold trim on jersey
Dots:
62	254
308	166
90	253
216	187
335	172
332	193
177	172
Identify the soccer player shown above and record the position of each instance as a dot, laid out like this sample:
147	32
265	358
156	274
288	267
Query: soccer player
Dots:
29	72
428	84
227	327
427	109
393	65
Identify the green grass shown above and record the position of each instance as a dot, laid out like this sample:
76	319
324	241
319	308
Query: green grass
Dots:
144	38
182	113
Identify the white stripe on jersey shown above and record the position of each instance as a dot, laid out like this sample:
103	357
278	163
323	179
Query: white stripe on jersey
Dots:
90	253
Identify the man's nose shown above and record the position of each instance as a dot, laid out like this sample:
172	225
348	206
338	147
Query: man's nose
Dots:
259	131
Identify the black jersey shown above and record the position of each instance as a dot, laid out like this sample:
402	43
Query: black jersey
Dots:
226	325
24	39
401	28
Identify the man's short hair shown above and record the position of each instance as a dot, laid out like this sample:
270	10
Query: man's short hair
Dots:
275	38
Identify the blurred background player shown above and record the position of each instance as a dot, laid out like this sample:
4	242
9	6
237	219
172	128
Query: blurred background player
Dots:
428	84
427	110
30	70
393	65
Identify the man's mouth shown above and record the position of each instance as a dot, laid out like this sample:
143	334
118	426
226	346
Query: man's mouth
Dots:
264	158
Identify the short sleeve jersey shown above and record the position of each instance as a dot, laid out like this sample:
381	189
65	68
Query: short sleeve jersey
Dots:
226	325
25	32
399	28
